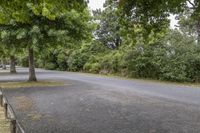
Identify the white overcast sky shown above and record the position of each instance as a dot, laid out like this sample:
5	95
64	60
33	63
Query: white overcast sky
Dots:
96	4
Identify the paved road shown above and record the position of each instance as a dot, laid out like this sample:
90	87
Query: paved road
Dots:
96	104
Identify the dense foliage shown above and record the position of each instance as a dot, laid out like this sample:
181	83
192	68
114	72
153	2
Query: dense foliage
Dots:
130	38
37	24
174	58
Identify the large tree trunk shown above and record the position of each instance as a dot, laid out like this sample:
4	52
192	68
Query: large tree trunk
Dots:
32	76
197	78
12	64
198	32
4	64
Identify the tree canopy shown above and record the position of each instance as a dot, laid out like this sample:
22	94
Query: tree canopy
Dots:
130	38
38	24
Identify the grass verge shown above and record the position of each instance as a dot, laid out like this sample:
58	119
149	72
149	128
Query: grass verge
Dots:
147	80
13	85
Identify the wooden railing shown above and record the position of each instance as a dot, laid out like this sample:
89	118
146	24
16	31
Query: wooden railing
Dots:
15	125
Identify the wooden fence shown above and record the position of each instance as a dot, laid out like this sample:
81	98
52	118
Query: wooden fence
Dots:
15	125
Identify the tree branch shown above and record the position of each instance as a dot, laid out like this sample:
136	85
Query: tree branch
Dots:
193	5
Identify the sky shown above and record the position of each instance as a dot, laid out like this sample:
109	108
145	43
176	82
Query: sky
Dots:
173	22
96	4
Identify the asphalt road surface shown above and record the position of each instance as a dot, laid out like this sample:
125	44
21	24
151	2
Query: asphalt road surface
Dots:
97	104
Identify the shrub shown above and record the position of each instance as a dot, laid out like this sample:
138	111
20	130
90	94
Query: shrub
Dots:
50	66
77	60
93	68
62	61
23	61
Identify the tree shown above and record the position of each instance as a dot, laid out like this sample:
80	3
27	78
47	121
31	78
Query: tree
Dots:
39	24
189	20
193	7
108	29
8	43
3	57
153	14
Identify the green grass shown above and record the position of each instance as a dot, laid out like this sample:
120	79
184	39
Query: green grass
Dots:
197	85
4	123
4	71
13	85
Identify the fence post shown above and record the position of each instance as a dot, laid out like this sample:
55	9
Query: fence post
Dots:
6	110
1	99
13	126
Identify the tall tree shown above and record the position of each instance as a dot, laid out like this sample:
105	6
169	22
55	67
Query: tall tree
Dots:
42	23
153	13
8	43
108	30
3	57
189	20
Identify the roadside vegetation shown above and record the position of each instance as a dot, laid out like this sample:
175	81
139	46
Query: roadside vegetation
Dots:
13	85
127	38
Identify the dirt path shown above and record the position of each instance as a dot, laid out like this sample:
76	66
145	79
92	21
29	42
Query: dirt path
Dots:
4	124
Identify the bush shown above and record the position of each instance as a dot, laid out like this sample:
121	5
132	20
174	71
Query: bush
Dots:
111	62
50	66
62	58
23	61
141	63
174	58
40	63
178	61
77	60
93	68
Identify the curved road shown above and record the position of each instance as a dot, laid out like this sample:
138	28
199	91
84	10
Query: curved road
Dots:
96	104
